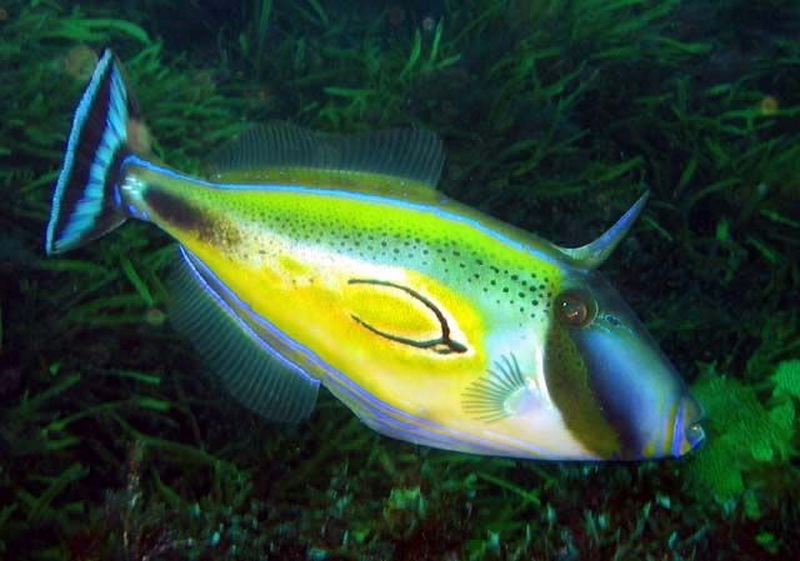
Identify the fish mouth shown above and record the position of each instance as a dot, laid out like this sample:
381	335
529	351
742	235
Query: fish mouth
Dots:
688	429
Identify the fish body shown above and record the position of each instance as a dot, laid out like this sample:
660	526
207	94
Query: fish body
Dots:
310	260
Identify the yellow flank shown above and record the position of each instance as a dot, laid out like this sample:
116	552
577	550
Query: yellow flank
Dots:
387	309
314	301
413	306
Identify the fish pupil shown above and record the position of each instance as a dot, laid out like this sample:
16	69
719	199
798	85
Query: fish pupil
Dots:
572	308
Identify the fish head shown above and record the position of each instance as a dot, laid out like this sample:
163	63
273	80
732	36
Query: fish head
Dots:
635	404
573	376
615	388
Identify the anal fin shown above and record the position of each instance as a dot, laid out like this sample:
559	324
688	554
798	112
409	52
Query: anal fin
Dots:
222	329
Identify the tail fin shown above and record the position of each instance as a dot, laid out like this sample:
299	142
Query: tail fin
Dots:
85	202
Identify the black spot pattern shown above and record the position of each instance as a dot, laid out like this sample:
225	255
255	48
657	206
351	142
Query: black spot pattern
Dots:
523	292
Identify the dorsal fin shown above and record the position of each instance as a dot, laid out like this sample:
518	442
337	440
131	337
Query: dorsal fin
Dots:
285	152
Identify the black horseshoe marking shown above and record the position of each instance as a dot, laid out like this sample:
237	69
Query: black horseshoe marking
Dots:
443	345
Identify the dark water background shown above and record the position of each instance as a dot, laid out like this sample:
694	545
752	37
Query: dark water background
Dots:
555	116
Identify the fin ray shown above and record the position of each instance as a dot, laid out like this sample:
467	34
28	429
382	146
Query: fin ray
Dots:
84	205
496	395
247	366
412	154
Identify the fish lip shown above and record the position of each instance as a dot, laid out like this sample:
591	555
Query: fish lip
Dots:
678	431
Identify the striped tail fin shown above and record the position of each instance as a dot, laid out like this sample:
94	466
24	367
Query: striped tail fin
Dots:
86	201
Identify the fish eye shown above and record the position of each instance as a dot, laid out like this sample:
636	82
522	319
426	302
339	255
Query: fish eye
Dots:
574	308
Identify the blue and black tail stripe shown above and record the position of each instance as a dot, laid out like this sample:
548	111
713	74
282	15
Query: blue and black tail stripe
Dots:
84	205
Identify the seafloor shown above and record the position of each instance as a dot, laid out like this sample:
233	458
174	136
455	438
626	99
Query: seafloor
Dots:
555	116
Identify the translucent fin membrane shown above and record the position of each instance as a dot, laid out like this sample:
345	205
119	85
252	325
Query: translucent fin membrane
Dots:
412	154
214	321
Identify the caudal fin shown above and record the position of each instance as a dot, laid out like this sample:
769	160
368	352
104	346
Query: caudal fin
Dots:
86	201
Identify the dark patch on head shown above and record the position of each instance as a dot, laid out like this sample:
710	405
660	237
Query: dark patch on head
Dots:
569	382
616	399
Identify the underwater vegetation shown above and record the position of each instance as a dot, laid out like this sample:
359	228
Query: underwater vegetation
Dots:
554	116
755	440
